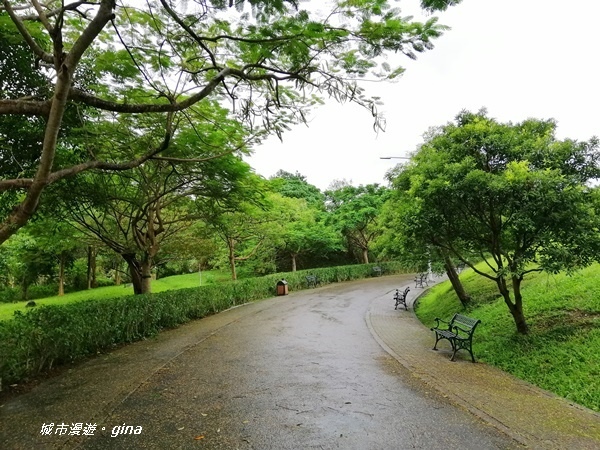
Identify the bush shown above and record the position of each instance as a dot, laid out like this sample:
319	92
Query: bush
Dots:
8	295
47	336
15	294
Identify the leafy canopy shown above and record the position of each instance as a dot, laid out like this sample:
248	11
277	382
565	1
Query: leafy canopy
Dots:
512	194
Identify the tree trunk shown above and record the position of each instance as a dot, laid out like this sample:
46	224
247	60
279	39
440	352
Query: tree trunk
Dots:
455	281
231	246
135	271
518	315
365	254
25	288
515	309
293	262
141	273
146	276
66	67
61	275
118	274
91	268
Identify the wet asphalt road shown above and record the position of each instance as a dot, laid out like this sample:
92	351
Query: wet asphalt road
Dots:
294	372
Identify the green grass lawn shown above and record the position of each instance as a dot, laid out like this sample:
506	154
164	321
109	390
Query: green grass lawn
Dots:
165	284
561	352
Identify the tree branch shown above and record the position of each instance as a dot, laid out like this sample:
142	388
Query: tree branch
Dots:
25	183
91	100
195	160
106	105
191	32
37	50
25	107
54	12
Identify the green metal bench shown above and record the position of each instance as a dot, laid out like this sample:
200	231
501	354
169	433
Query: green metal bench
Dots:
421	280
311	281
400	298
459	332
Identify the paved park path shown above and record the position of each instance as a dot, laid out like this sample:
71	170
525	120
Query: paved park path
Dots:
333	367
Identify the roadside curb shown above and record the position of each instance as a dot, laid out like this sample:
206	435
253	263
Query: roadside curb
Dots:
430	382
527	414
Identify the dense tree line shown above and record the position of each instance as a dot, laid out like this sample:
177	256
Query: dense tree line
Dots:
504	199
123	129
147	222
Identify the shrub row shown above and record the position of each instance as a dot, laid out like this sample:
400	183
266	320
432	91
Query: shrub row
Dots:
47	336
15	294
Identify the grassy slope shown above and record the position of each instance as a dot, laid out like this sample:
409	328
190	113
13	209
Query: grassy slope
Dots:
160	285
561	353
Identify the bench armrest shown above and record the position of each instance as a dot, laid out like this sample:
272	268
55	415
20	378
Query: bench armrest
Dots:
438	321
458	329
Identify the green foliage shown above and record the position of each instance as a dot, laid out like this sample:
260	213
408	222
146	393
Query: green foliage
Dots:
296	186
438	5
46	295
511	193
559	354
47	336
20	136
354	211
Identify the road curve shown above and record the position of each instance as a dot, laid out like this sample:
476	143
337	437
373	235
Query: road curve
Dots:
294	372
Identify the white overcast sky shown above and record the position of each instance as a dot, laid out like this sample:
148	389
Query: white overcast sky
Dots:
517	58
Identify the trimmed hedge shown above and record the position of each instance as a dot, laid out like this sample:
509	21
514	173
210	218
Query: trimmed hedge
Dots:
47	336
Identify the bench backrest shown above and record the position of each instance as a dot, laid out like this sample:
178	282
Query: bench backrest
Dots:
467	324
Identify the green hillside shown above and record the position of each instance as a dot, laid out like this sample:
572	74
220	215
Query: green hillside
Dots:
561	352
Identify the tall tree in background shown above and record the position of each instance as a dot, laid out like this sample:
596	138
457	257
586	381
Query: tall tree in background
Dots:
40	253
294	185
243	230
512	194
355	212
106	60
60	240
304	237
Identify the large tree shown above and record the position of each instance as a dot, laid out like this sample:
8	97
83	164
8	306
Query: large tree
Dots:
104	59
137	211
418	250
299	233
512	194
355	212
244	230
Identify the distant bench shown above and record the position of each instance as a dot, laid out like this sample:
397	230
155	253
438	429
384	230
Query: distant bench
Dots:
377	271
400	298
421	280
459	332
311	281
